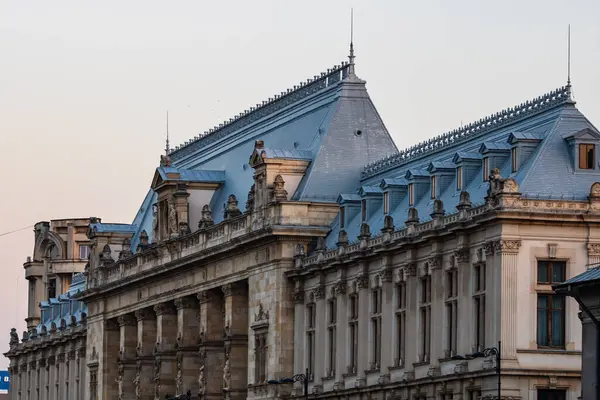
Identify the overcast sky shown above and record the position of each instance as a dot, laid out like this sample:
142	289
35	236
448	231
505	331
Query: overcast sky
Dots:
84	85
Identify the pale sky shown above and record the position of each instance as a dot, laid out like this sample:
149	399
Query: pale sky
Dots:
84	86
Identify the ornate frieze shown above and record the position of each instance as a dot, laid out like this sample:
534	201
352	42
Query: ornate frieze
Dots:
462	255
593	249
164	308
339	288
143	314
126	320
186	303
317	293
385	275
507	246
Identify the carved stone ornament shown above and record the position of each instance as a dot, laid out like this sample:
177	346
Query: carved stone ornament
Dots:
279	192
339	288
385	275
262	314
125	249
136	383
593	249
552	247
462	256
173	227
206	219
317	293
179	379
362	281
298	296
250	201
14	337
226	375
201	381
507	246
488	248
231	208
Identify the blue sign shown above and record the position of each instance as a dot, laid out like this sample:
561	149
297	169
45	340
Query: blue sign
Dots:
4	380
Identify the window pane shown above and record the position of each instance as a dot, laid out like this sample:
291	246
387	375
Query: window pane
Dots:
582	156
590	156
542	321
543	272
558	272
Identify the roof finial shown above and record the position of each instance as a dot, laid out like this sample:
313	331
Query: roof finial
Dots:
569	57
167	149
351	56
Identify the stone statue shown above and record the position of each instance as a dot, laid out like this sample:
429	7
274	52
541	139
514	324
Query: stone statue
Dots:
496	183
156	379
136	383
172	218
226	375
231	208
154	224
119	381
279	192
14	337
179	379
206	219
201	381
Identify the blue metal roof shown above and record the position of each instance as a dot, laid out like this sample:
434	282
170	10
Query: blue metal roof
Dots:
293	154
592	274
192	175
514	136
53	310
548	117
117	228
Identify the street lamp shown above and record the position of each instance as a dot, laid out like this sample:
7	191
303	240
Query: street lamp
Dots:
296	378
491	351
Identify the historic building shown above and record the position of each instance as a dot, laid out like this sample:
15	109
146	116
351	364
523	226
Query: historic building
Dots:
585	289
49	360
295	239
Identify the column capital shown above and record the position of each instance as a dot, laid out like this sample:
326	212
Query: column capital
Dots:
488	248
187	302
143	314
204	297
462	255
126	320
111	324
507	246
164	309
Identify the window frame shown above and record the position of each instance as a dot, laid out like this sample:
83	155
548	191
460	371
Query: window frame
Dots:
514	160
353	318
342	217
400	324
386	203
433	187
459	177
591	164
411	194
363	210
486	169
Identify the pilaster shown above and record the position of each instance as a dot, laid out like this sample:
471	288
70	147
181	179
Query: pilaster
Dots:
508	251
143	382
211	354
387	320
127	356
235	369
165	364
110	357
299	327
188	332
342	345
362	286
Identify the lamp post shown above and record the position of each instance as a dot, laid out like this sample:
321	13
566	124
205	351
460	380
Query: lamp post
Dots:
296	378
491	351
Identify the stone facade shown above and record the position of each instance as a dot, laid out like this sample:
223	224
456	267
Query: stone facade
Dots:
49	361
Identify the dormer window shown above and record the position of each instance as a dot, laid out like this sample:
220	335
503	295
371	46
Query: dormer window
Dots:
459	178
342	216
386	203
364	210
486	167
433	187
411	194
586	156
513	159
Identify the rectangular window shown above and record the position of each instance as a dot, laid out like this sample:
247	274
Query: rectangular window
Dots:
486	169
84	252
260	354
331	332
386	203
342	217
586	156
353	325
474	394
310	338
550	272
400	324
433	188
549	394
451	311
514	160
376	308
425	314
364	210
459	178
411	194
479	309
52	288
551	320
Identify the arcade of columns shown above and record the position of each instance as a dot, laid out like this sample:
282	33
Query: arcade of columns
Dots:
196	343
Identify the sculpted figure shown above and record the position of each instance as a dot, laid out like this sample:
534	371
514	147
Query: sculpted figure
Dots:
172	218
179	379
136	383
201	383
119	381
226	375
14	337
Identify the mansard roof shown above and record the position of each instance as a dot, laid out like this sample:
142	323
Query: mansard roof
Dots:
546	172
112	227
65	307
315	121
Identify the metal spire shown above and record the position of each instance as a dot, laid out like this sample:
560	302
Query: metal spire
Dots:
569	57
351	56
167	149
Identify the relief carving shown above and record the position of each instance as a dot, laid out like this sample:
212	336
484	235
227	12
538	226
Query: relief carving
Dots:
201	381
173	230
507	246
594	249
226	375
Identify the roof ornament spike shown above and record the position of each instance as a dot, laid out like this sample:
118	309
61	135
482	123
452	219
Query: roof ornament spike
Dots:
351	55
167	148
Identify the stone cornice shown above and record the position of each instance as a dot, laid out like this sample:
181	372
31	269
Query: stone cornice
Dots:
69	337
510	207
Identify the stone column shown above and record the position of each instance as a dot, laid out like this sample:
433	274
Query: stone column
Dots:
127	356
341	333
235	368
212	357
362	286
72	372
80	374
110	358
508	250
411	342
165	364
187	345
51	376
299	329
387	321
60	375
143	382
318	297
465	301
